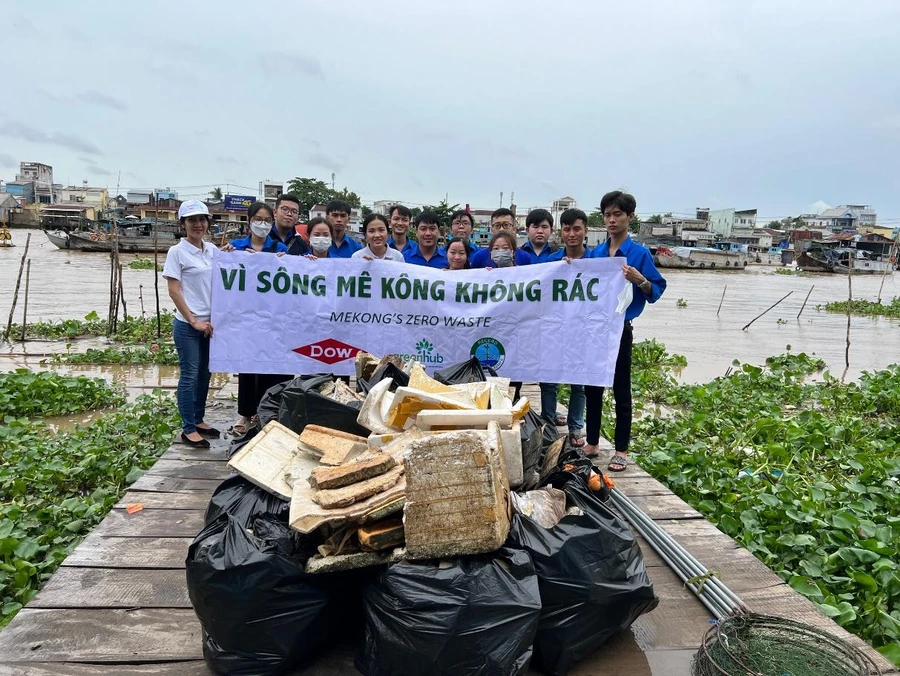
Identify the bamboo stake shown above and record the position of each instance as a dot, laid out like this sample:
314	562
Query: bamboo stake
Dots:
16	292
25	304
806	299
721	300
156	271
122	298
141	299
849	303
893	254
762	313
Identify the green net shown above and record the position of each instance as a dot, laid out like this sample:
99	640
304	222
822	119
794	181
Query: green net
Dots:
758	645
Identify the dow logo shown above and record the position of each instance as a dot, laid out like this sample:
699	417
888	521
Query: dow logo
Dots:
328	351
489	351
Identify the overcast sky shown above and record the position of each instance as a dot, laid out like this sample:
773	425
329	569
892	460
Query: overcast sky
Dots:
721	103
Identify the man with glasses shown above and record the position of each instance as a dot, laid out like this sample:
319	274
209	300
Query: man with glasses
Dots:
461	227
502	220
287	212
338	214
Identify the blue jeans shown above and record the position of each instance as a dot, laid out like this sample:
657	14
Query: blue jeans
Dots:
575	418
549	397
193	383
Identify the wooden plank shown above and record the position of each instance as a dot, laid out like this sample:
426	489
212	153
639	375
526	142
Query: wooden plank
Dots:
184	452
640	485
152	523
108	635
191	500
190	469
621	656
113	588
165	484
97	551
190	668
659	507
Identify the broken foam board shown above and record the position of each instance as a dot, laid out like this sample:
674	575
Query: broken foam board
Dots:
332	447
359	469
269	456
357	492
449	420
408	402
457	495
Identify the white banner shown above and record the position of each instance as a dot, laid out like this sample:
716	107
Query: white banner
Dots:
553	322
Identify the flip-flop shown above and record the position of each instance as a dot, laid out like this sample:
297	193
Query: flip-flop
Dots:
561	420
576	441
239	428
618	463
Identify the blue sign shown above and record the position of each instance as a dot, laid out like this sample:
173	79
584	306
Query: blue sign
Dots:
238	202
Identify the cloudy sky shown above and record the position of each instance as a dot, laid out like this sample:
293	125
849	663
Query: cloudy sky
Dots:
744	103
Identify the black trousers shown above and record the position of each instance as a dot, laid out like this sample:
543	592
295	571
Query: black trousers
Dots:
621	393
252	387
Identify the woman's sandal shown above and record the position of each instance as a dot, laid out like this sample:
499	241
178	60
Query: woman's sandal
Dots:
618	463
576	441
240	427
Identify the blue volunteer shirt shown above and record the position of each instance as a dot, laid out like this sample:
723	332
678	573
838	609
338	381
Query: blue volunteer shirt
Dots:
271	245
273	234
542	257
348	247
560	253
482	259
638	257
409	246
415	257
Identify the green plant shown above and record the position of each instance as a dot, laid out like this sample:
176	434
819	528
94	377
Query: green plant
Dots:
803	473
866	308
140	263
781	321
37	393
55	487
681	302
143	354
130	330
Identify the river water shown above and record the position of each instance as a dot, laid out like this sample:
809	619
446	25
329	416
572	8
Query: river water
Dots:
69	284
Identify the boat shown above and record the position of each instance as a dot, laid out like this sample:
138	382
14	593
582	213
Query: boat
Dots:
699	258
5	238
134	237
838	260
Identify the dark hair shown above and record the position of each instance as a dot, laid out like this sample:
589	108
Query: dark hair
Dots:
373	217
338	205
466	246
502	211
429	218
462	212
316	221
256	207
538	216
620	199
287	197
569	216
402	210
503	235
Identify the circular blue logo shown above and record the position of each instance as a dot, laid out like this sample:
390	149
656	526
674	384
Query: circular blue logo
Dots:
489	351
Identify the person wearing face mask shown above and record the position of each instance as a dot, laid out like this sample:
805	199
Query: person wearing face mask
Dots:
260	239
188	274
320	238
502	220
375	228
502	250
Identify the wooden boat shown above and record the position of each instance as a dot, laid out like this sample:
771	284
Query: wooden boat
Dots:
133	238
839	261
5	238
699	258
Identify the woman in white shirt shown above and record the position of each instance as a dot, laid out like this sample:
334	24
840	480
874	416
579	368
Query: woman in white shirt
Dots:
188	272
376	229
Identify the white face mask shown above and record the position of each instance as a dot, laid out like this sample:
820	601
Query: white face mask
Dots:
260	228
502	257
320	243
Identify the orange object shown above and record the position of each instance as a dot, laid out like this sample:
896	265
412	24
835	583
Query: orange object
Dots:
568	468
131	509
595	483
609	482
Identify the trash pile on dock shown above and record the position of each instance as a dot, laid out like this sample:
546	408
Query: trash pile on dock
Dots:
391	509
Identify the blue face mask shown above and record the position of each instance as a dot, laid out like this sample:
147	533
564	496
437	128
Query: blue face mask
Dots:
502	257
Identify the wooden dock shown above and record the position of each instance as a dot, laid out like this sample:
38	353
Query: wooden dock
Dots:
119	606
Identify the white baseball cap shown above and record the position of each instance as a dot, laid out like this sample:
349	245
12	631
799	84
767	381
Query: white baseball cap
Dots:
192	208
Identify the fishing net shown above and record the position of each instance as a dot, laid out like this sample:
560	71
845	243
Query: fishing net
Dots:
758	645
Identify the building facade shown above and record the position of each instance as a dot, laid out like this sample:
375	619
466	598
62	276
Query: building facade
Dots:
86	195
848	217
41	177
723	221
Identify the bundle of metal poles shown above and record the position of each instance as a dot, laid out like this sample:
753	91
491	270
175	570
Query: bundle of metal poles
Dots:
712	592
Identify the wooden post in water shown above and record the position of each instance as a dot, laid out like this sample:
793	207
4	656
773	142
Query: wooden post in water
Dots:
806	299
156	271
721	299
141	299
113	316
15	300
849	303
25	304
762	313
122	297
891	259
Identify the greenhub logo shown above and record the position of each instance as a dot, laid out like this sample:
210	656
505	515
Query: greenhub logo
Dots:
424	353
489	351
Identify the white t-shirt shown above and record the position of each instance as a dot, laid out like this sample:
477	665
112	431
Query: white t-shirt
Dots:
193	268
390	255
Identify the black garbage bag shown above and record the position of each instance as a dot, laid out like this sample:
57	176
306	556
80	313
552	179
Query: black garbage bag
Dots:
302	405
386	370
241	440
532	435
473	615
261	613
592	579
267	411
573	462
470	371
245	501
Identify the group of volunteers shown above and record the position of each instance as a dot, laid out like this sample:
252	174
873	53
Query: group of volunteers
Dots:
188	271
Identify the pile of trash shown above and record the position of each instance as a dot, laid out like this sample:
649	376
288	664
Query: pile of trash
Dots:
436	511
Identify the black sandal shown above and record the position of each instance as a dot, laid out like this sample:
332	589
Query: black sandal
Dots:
203	443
